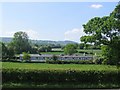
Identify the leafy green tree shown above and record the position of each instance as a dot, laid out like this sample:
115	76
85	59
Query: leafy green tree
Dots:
55	58
7	51
81	46
11	52
4	51
70	49
21	42
26	56
45	49
106	31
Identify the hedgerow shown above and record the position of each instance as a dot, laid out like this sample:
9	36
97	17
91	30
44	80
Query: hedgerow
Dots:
70	61
69	75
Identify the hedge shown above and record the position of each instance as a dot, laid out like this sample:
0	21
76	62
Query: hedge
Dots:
70	61
37	76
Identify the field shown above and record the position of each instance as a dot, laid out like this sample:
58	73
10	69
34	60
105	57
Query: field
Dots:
40	66
59	51
53	70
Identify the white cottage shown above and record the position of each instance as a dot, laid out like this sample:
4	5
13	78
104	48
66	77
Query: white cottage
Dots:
44	57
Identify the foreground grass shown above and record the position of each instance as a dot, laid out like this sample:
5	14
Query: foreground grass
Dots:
60	85
40	66
44	66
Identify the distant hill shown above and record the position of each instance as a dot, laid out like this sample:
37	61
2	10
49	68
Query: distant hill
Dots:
5	39
41	42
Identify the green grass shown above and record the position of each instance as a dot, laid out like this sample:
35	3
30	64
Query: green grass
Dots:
57	49
98	52
60	85
44	66
56	52
56	66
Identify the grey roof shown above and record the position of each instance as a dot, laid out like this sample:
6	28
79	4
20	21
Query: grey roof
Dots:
37	55
49	55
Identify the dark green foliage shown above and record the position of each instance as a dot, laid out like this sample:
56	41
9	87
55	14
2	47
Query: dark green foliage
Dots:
26	56
70	61
81	45
111	54
7	51
106	31
70	49
45	49
98	60
21	42
4	51
55	58
37	76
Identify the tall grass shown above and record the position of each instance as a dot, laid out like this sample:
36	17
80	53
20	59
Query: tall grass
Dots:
57	66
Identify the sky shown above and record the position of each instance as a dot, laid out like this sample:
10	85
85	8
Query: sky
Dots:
56	21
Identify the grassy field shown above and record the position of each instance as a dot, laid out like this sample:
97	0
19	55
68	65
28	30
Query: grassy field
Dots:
59	51
55	53
56	66
44	66
63	85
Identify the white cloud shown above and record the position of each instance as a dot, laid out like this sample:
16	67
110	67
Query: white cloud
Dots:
96	6
7	33
74	34
31	33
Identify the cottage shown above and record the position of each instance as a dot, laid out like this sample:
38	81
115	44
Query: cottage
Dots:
44	57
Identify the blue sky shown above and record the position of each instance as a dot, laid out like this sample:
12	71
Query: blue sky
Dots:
51	20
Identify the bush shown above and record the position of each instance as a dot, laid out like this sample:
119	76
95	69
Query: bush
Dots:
37	76
26	56
105	61
70	61
98	60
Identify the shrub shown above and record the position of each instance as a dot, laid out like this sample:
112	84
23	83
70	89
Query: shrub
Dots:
54	57
70	61
26	56
98	60
37	76
105	61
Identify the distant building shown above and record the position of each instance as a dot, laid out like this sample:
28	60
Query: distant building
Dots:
43	57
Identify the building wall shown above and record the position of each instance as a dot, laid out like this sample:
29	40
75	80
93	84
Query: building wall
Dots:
60	58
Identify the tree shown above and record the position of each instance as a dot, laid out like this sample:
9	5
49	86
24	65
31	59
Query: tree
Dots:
55	58
26	56
81	46
70	49
11	52
7	52
4	50
106	31
45	49
21	42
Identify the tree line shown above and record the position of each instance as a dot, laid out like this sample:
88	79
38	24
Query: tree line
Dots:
105	31
101	33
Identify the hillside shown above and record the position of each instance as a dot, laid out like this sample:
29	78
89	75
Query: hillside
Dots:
41	42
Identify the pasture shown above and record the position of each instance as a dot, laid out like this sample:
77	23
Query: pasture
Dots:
59	51
43	75
39	66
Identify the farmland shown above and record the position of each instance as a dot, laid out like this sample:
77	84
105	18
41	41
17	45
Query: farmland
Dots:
59	51
39	66
59	75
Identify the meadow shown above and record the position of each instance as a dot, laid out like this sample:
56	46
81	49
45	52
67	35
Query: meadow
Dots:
59	51
40	66
43	75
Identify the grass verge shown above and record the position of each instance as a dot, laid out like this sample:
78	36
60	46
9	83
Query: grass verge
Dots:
60	85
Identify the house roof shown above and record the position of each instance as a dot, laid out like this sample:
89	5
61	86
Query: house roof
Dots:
49	55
